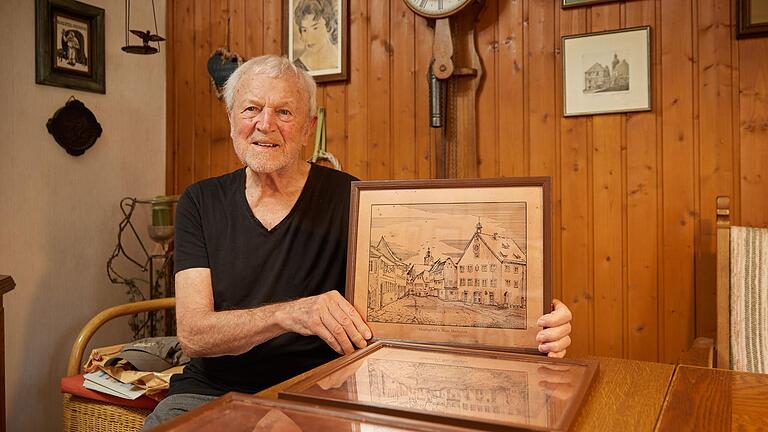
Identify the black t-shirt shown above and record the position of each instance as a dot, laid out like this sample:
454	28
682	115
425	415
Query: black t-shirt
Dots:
303	255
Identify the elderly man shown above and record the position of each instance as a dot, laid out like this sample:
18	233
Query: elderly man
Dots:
261	252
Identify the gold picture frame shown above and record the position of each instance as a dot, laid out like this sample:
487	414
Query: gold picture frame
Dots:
454	261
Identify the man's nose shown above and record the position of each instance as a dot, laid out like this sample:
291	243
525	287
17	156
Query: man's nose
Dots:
266	120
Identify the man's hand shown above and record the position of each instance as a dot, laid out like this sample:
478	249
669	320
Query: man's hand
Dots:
555	337
329	316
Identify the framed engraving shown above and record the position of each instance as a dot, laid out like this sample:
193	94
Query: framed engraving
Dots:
69	38
315	37
237	411
479	389
607	72
752	16
464	262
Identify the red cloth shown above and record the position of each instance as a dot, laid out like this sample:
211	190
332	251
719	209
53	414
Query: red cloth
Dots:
74	385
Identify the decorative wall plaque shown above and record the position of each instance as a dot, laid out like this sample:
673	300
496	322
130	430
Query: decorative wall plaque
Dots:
74	127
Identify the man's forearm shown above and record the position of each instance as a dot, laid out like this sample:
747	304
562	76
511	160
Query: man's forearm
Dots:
206	333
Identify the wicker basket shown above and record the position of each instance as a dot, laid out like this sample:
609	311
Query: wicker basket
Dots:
83	415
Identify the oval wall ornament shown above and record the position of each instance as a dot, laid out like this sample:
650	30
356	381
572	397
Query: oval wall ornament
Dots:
74	127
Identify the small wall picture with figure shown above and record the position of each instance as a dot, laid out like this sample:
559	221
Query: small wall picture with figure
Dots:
315	37
72	46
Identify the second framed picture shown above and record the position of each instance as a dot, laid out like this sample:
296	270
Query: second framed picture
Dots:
460	262
607	72
315	37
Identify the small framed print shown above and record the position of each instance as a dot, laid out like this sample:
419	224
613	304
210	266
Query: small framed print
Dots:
315	37
575	3
70	45
461	262
752	18
607	72
478	389
241	412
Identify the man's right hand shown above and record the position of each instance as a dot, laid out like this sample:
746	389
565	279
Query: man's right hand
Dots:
328	316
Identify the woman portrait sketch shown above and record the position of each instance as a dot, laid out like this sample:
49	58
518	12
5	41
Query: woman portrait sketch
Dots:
315	44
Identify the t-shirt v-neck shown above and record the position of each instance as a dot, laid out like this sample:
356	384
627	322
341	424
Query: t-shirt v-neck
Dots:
291	213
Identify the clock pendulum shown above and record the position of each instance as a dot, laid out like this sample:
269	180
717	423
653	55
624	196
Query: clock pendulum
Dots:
453	79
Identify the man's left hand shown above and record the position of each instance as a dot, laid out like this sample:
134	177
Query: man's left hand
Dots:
555	337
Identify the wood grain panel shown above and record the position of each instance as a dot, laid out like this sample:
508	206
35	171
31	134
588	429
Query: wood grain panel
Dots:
608	195
678	176
638	188
642	210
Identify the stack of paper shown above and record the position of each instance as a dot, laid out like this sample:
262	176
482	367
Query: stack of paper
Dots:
100	381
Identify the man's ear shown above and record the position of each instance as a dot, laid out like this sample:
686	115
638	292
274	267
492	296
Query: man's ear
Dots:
311	128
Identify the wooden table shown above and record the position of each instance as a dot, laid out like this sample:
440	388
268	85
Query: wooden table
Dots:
715	400
627	395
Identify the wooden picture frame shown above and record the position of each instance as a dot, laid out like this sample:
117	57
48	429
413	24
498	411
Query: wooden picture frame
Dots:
69	39
243	411
752	17
316	37
577	3
478	389
452	261
607	72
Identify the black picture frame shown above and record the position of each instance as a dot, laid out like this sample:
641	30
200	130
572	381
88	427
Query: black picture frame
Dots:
69	45
749	24
293	43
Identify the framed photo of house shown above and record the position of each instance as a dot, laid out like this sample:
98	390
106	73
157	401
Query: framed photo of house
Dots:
752	18
462	262
575	3
607	72
477	389
69	38
315	37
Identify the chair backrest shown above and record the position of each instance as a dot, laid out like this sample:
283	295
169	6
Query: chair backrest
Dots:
742	294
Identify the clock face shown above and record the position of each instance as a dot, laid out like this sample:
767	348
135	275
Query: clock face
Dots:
437	8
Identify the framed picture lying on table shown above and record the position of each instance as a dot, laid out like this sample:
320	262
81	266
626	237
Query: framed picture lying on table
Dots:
479	389
69	38
465	262
752	18
237	411
315	37
607	72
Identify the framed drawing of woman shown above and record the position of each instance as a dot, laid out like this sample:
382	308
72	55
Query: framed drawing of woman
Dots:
315	37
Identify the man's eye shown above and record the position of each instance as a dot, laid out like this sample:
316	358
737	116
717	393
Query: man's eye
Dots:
284	113
252	109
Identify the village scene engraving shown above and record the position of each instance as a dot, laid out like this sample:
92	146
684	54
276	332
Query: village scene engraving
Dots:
448	265
605	74
450	389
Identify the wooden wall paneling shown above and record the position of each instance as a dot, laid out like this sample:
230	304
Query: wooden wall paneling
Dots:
273	27
576	227
715	147
335	121
379	91
608	213
512	150
202	89
402	126
753	131
642	209
426	137
541	94
255	28
238	44
221	144
357	89
678	176
487	109
185	93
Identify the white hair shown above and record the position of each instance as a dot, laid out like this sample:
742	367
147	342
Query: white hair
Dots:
271	66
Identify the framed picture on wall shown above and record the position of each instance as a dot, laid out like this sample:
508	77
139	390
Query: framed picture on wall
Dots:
607	72
752	17
315	37
574	3
69	39
464	262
